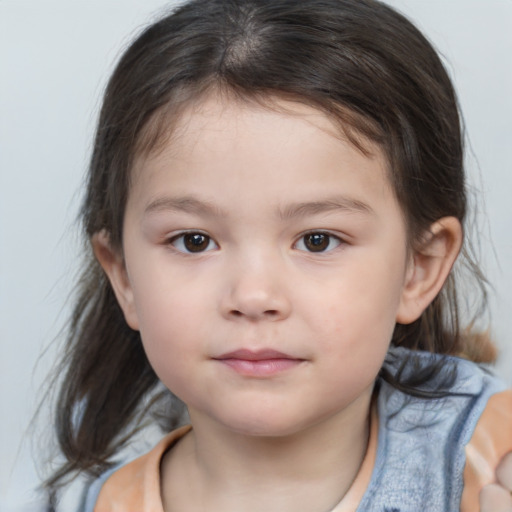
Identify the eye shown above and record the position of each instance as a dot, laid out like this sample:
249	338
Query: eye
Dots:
317	241
193	242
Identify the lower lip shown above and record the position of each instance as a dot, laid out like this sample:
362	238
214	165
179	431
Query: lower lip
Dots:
261	367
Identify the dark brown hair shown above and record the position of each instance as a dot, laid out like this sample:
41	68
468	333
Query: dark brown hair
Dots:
360	62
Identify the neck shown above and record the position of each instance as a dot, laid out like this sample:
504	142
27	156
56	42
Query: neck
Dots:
213	468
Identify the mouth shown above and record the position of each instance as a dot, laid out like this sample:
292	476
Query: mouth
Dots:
260	363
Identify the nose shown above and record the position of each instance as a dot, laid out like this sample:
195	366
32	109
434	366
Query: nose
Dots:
256	293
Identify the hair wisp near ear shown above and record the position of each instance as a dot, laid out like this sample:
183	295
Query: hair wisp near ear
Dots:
112	262
429	268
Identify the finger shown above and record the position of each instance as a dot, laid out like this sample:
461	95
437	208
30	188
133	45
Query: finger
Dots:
504	472
494	498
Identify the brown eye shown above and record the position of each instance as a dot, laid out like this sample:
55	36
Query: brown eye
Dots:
317	242
193	243
196	242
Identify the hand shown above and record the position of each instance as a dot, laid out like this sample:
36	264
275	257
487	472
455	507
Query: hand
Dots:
497	497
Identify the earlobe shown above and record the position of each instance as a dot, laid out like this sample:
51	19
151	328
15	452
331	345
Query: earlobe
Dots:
429	268
112	262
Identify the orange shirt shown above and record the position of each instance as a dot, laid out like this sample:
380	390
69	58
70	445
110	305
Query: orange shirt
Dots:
136	486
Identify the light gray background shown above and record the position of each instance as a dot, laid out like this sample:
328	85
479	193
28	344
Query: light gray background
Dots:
55	57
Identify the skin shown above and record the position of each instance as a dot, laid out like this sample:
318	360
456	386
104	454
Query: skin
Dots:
497	497
254	187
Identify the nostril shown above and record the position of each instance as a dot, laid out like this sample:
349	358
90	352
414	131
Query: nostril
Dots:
269	313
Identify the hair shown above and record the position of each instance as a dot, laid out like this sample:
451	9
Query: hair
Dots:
358	61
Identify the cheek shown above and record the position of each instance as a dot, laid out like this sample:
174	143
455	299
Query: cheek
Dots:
172	341
355	317
353	304
171	318
356	343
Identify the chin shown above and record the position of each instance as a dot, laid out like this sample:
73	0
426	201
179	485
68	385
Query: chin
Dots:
264	425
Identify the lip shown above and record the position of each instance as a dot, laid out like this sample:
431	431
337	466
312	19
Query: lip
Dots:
259	363
255	355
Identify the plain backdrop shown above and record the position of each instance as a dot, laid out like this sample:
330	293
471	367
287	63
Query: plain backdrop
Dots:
55	57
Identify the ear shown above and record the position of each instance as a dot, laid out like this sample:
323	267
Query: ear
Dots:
113	264
429	267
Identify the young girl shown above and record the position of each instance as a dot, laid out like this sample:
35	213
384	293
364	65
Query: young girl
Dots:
275	202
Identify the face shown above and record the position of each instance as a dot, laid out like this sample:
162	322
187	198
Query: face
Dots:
265	262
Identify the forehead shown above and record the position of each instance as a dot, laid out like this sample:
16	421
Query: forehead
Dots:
189	116
276	144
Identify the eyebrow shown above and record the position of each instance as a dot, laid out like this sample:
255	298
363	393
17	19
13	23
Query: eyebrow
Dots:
186	204
190	204
338	203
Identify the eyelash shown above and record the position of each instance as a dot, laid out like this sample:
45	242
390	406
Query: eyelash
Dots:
179	241
205	243
327	236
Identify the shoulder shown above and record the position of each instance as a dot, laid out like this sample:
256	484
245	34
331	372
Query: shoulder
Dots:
421	446
133	486
92	490
490	442
465	389
454	376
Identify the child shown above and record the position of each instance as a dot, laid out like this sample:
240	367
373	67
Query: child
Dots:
275	203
